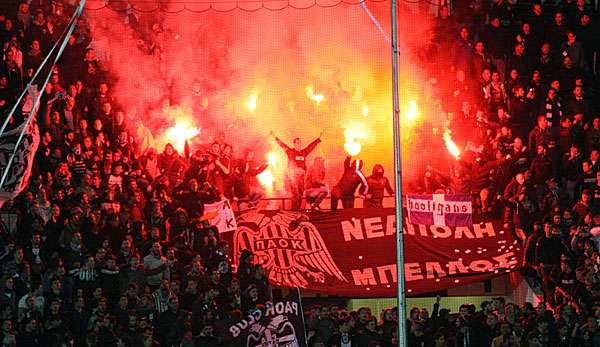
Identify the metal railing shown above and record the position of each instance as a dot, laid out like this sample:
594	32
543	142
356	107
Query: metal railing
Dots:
285	203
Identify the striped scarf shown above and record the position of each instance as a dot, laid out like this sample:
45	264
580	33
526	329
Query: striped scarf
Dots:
161	302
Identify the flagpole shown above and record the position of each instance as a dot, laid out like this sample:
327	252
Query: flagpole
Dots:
402	342
302	315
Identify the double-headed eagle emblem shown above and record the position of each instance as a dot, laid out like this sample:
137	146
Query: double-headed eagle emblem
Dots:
289	247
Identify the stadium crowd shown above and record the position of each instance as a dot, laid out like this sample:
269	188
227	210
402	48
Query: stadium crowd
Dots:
107	246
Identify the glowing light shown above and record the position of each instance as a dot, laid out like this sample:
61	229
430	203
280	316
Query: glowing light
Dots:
412	113
354	133
365	110
310	93
272	158
352	147
183	127
266	179
182	131
252	101
450	145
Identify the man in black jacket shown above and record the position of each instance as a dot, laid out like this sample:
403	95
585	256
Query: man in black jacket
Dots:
378	185
246	186
518	61
495	37
521	107
579	104
351	179
172	324
540	135
548	252
192	200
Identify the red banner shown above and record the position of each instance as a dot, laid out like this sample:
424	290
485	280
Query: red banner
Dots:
352	252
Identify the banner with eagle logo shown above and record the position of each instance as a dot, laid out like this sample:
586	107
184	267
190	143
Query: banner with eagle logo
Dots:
280	324
352	252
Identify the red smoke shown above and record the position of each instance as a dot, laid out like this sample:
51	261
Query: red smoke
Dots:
246	74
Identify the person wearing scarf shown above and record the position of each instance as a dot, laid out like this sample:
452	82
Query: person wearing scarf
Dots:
34	57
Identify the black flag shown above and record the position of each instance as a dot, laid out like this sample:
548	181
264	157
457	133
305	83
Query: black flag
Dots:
280	324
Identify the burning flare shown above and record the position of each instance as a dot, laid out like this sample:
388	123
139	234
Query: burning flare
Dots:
412	113
272	158
267	177
310	92
353	134
252	101
352	146
450	145
183	128
182	131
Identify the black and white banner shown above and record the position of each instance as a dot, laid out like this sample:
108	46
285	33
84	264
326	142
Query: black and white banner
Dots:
20	169
280	324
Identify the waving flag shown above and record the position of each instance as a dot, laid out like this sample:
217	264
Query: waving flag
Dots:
279	324
440	209
220	214
20	170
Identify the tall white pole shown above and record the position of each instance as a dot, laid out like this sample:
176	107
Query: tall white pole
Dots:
402	338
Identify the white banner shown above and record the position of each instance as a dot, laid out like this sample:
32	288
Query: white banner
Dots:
220	214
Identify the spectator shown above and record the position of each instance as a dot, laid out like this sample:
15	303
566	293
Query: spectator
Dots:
574	49
155	266
346	187
377	185
518	61
297	166
316	189
548	252
246	185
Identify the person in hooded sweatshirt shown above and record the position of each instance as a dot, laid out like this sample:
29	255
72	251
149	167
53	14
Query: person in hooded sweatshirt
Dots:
346	186
377	185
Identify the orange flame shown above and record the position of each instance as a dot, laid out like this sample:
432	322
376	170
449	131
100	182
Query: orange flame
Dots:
267	178
450	145
183	127
310	93
352	147
272	158
354	133
412	113
252	99
181	132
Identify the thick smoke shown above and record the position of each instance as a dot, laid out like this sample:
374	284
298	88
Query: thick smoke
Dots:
215	63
